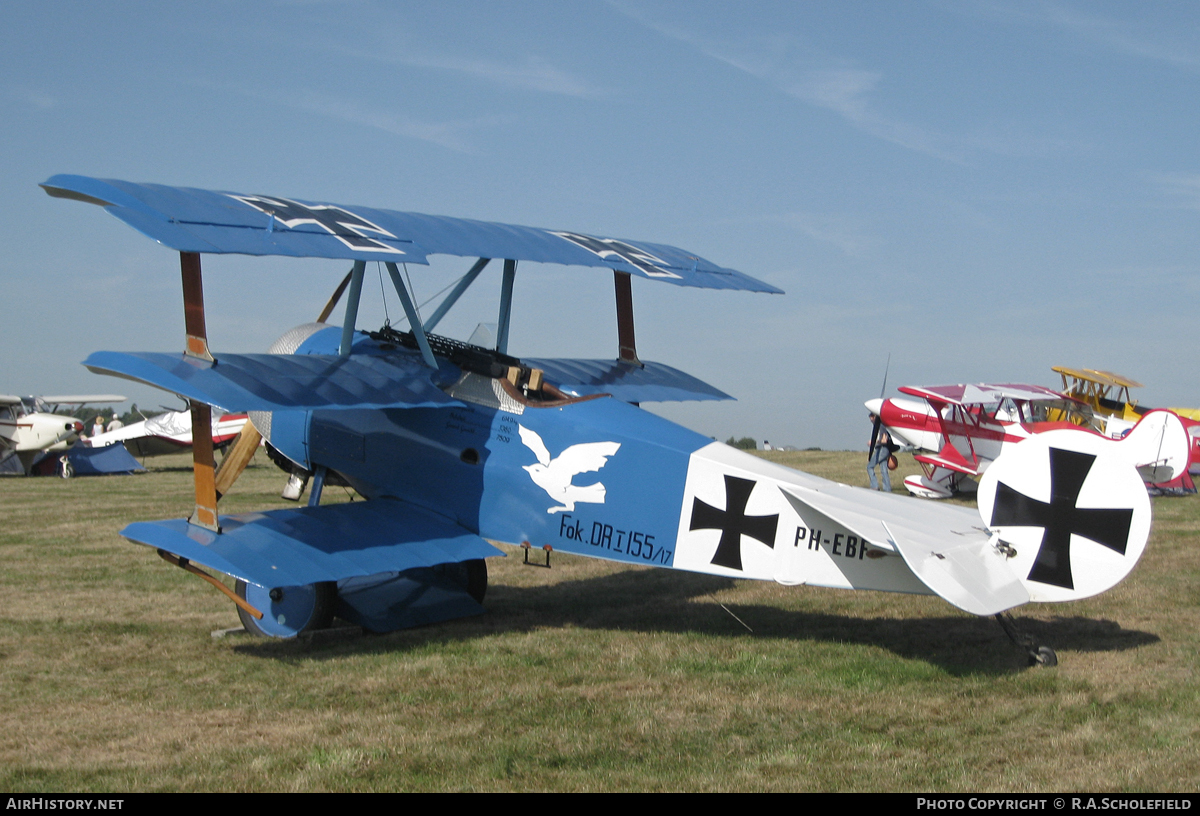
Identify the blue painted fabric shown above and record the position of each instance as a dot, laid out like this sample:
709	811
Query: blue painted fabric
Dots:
192	220
304	545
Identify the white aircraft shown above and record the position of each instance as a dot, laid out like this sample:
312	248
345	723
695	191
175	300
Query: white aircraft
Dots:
29	426
167	433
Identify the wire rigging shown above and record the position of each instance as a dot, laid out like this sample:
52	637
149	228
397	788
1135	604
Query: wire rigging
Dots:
387	320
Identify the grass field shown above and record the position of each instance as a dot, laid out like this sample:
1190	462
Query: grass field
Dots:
587	676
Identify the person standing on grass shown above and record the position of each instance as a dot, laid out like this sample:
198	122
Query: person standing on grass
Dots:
879	458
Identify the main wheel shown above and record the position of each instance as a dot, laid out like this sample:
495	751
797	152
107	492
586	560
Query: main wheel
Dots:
288	611
471	575
1044	656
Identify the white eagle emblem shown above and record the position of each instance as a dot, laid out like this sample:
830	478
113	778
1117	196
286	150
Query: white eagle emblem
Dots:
555	475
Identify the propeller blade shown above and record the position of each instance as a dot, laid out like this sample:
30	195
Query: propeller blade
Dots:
333	301
878	419
874	436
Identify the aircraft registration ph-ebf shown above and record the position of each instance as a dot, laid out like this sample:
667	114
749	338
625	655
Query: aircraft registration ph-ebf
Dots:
455	446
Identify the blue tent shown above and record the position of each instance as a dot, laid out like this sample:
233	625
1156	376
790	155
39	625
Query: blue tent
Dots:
85	461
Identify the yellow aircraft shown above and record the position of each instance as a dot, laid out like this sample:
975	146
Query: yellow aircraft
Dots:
1108	395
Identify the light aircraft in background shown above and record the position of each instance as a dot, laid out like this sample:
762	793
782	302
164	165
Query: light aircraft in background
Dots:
167	433
1108	395
31	426
959	431
455	446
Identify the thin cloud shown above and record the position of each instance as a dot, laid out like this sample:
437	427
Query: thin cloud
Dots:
393	40
450	135
1135	37
1181	187
846	90
841	231
535	74
38	99
1122	37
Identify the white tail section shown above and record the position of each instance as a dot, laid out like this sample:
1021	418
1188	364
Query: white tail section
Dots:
1072	511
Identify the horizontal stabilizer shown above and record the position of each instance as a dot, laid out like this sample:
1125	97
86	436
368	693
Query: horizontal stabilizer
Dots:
944	546
192	220
306	545
271	382
970	573
629	382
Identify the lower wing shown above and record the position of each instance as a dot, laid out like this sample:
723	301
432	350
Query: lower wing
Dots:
306	545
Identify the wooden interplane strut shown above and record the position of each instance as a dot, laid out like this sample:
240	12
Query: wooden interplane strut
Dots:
626	342
196	345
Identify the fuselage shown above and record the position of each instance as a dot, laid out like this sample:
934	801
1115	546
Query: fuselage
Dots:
28	426
27	429
594	476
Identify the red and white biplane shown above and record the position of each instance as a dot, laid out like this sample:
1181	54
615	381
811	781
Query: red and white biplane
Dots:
167	433
957	431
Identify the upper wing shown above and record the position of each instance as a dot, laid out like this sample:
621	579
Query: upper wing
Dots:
1105	378
192	220
270	382
979	393
70	399
81	399
629	382
1116	379
936	394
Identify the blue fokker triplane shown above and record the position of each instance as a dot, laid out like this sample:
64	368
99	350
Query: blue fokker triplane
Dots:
456	445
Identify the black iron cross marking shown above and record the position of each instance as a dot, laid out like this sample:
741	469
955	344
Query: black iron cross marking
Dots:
611	247
342	224
1061	518
733	522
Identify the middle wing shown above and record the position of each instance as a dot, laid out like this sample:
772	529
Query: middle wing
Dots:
628	382
272	382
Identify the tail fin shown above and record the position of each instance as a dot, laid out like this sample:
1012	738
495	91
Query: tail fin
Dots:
1159	446
1072	511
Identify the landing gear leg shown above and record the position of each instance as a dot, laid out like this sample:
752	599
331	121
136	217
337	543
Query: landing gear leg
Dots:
294	488
1038	655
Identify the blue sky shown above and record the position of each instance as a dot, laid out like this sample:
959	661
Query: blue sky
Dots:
981	190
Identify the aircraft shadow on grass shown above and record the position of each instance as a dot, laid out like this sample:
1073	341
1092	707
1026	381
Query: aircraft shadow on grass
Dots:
657	602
